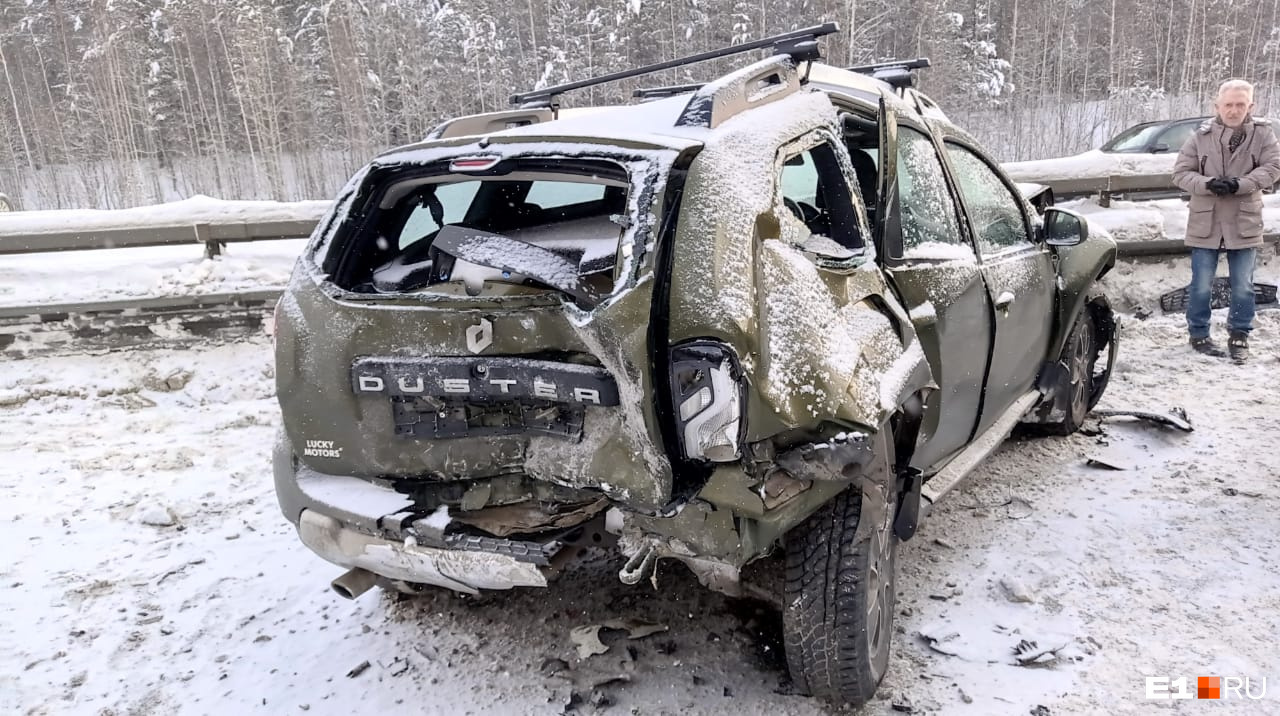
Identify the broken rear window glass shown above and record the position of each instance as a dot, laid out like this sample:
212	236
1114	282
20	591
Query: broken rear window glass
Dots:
570	215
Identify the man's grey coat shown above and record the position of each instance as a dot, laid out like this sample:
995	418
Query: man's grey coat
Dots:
1233	220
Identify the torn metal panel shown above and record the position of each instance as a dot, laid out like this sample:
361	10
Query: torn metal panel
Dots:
1175	418
530	517
843	457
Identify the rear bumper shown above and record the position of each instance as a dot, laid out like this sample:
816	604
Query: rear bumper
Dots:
357	523
459	570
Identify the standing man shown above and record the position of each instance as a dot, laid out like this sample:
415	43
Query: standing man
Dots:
1225	165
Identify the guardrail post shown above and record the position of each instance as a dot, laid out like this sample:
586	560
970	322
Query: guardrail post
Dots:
211	248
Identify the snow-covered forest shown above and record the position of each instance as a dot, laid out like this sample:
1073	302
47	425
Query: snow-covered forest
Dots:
111	103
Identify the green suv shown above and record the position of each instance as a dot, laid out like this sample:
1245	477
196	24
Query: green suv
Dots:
788	309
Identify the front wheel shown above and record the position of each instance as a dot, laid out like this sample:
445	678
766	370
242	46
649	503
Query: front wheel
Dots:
1087	369
839	592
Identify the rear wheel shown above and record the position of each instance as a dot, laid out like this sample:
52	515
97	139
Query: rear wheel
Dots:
839	594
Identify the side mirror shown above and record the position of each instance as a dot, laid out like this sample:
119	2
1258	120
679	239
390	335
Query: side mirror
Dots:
1063	227
1160	148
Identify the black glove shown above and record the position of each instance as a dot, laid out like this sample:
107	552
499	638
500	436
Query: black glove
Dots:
1233	184
1220	186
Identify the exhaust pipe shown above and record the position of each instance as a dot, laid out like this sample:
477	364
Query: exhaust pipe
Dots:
354	583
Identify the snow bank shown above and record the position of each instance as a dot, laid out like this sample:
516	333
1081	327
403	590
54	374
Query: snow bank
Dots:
1138	285
85	276
1155	220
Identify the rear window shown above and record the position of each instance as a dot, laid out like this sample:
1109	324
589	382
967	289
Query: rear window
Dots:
523	225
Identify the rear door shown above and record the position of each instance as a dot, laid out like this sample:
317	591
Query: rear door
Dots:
937	275
1019	276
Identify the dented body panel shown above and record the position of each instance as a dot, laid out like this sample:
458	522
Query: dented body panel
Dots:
1080	267
722	369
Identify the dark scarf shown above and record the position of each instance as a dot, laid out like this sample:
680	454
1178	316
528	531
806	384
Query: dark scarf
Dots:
1237	135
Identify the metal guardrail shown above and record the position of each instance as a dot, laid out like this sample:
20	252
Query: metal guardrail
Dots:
32	329
1106	187
1170	247
152	322
212	236
215	235
1146	186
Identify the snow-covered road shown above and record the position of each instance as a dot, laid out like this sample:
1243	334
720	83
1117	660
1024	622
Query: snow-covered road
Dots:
148	571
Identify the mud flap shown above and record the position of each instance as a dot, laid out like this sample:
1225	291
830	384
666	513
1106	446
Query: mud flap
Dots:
908	519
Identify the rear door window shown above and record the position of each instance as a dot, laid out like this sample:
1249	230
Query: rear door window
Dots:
815	192
1176	136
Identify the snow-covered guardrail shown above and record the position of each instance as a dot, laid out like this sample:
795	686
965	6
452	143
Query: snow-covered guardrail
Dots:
1124	186
1149	186
212	223
203	221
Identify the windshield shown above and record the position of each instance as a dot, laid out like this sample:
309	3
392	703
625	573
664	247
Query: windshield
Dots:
1133	139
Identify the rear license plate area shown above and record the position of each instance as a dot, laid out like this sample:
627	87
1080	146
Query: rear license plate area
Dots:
433	418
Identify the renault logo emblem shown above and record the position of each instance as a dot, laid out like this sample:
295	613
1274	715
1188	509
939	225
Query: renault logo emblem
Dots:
480	336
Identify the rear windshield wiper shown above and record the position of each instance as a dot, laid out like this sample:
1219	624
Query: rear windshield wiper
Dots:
506	254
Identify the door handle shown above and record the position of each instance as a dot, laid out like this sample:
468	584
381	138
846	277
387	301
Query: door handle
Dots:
1004	300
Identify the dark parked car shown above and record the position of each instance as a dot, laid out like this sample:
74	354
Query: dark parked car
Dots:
1159	137
1144	149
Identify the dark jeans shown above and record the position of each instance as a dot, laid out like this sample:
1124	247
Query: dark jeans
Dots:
1204	265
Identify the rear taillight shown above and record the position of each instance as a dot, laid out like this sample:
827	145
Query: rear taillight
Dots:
707	392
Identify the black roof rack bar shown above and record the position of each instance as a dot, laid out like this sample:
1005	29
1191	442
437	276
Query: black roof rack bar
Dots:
807	33
668	91
917	64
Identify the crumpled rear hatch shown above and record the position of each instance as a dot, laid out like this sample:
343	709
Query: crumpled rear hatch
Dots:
466	315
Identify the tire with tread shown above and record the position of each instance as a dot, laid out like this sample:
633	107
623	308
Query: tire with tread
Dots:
1079	356
834	651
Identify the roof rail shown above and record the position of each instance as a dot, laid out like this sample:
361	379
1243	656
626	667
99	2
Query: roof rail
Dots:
897	73
799	44
668	91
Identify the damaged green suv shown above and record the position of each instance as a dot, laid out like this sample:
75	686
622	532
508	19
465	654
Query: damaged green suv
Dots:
788	309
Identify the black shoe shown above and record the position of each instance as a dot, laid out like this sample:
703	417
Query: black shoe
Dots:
1238	344
1207	346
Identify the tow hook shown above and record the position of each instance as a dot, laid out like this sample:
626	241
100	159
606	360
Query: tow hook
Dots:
908	519
640	565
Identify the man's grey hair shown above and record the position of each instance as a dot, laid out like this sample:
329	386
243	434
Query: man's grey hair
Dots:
1231	85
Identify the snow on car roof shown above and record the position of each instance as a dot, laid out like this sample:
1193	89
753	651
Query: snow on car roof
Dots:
652	123
840	77
649	122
